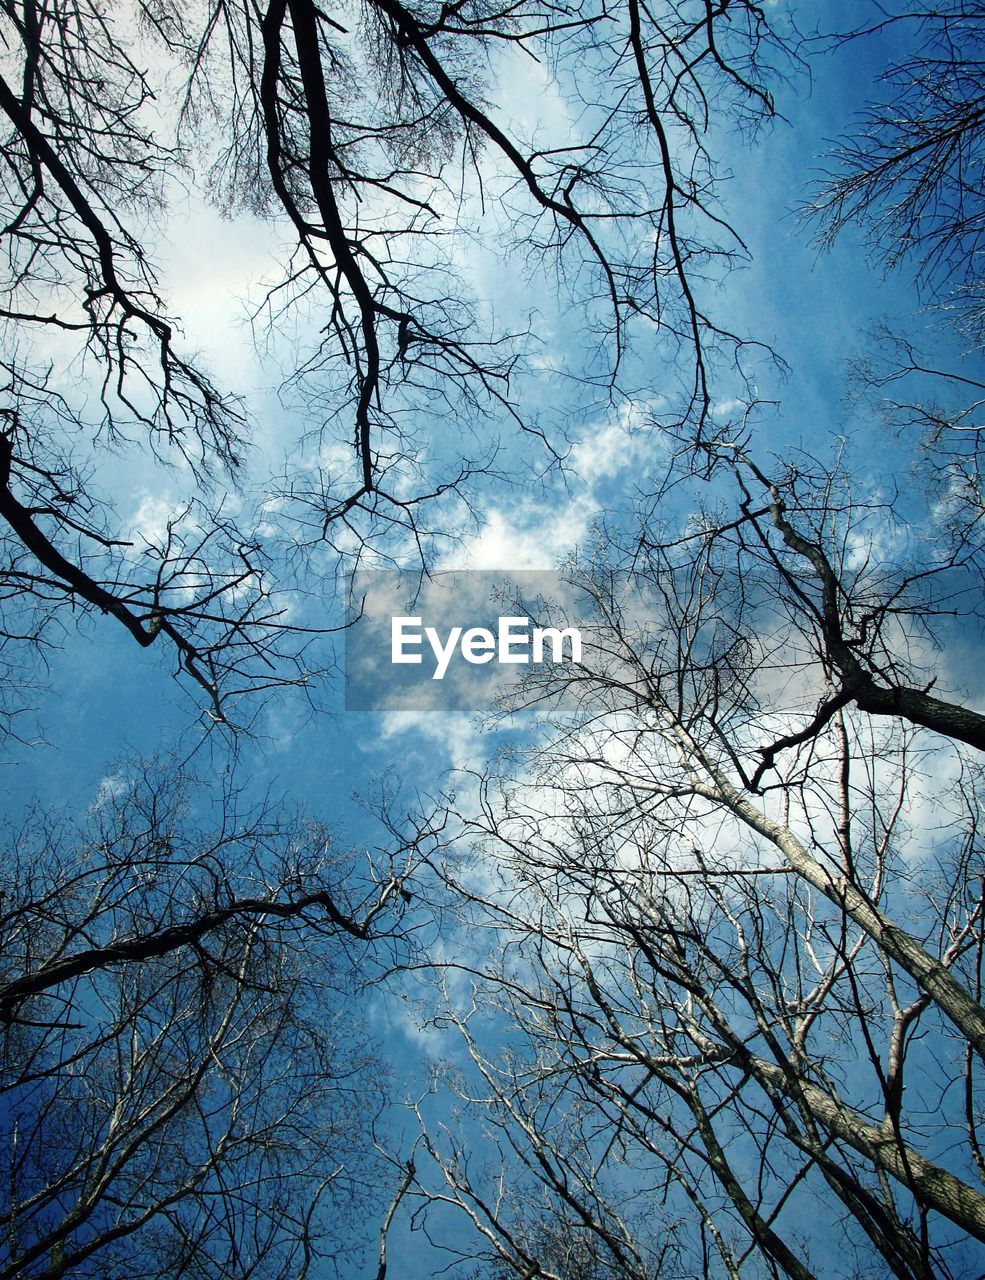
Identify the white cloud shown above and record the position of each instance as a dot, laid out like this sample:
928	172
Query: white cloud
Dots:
149	522
110	788
537	533
456	734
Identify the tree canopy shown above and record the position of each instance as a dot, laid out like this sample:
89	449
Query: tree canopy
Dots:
686	980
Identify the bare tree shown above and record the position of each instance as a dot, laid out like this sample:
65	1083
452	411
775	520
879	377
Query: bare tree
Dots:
871	621
735	896
370	139
909	176
184	1090
910	171
751	1009
736	1023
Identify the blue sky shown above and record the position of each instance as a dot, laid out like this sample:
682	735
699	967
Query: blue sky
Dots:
813	308
102	703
